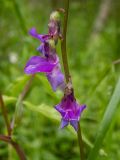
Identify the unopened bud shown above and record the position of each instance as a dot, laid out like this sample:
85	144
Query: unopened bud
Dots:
55	16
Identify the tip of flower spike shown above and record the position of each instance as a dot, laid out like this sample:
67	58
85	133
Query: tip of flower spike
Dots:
55	16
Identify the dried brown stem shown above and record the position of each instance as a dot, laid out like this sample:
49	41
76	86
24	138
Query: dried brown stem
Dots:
15	145
8	138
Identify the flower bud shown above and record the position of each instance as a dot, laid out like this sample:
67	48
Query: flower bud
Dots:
55	16
54	25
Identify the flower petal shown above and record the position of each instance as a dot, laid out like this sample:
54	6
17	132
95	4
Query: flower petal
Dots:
41	37
44	49
80	110
74	123
38	64
60	110
40	48
56	78
64	123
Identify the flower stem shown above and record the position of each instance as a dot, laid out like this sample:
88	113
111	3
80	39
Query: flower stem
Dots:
18	110
63	42
80	141
66	69
8	138
4	112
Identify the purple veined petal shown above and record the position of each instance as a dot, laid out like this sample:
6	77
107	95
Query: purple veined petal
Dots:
41	37
64	123
80	110
70	114
60	110
56	78
40	48
66	116
44	49
74	123
38	64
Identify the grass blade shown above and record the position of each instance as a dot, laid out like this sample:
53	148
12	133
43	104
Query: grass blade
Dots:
106	121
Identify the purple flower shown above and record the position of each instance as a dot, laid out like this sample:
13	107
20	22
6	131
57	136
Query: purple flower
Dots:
70	111
49	61
52	69
47	46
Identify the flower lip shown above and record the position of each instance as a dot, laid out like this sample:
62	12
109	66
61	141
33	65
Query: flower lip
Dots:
39	64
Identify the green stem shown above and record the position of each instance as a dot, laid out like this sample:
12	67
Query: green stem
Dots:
80	141
4	112
63	42
8	139
18	109
66	69
20	16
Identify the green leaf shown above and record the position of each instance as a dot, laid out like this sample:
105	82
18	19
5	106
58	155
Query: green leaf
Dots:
51	113
43	109
17	85
106	121
46	111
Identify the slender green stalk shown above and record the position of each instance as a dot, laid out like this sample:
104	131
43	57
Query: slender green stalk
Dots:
66	69
20	16
18	110
80	141
63	42
106	122
8	138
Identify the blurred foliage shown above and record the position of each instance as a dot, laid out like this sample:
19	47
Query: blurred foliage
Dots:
93	72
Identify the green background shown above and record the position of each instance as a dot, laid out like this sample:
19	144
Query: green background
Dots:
91	55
